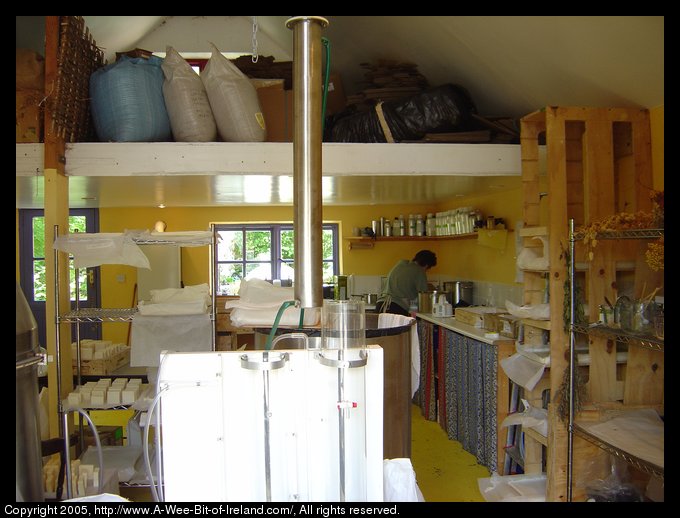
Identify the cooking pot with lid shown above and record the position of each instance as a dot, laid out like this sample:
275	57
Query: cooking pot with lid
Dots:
461	292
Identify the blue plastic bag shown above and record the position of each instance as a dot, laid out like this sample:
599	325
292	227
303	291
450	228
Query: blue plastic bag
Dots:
127	101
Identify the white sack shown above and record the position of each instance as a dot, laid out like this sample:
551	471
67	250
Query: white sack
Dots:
233	100
186	100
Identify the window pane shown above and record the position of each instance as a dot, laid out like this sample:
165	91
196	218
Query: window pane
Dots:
327	244
39	236
327	273
82	282
230	245
39	288
258	245
229	276
287	245
77	224
259	271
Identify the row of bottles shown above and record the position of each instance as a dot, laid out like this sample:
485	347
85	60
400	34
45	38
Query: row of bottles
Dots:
452	222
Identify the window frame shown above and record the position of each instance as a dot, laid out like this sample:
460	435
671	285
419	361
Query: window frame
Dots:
275	258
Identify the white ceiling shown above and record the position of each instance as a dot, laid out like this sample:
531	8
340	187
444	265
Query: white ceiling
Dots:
511	65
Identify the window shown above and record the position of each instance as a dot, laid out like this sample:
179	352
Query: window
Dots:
265	251
76	224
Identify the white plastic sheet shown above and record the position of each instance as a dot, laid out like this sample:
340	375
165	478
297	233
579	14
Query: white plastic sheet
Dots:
152	334
524	371
536	418
101	248
399	481
537	311
535	258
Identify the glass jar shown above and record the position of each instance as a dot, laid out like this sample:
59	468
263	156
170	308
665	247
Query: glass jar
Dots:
623	313
644	314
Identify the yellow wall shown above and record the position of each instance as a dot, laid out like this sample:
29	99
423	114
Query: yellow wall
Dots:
457	258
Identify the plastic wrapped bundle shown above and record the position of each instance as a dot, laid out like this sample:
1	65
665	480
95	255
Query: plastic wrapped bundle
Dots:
447	108
127	101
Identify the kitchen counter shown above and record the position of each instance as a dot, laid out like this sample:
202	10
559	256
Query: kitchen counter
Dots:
452	324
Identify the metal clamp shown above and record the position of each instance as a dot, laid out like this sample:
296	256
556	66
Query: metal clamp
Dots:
264	364
343	364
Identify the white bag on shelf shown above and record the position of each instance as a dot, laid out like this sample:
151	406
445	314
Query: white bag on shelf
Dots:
233	100
186	100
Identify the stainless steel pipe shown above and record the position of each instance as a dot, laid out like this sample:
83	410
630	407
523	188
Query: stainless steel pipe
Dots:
307	148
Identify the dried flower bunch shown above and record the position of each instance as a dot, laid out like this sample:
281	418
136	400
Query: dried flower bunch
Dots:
629	221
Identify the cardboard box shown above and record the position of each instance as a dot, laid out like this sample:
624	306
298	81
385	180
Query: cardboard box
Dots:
277	108
29	116
509	325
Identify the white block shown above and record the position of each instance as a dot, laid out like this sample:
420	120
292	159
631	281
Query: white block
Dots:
134	381
97	397
106	382
113	396
129	395
74	399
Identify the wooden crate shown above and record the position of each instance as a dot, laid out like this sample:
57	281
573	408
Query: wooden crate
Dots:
474	315
102	367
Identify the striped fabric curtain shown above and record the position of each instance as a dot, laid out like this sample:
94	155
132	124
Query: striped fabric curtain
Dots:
470	395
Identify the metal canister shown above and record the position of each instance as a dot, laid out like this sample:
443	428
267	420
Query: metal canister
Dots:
376	227
388	229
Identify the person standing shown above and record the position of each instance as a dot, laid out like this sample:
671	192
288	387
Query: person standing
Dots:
405	280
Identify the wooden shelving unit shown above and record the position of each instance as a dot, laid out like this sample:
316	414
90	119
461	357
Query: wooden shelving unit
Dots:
598	164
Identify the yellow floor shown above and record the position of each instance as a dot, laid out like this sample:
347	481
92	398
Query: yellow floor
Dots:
445	472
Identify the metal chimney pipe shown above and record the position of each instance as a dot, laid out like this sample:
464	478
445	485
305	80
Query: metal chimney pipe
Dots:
307	139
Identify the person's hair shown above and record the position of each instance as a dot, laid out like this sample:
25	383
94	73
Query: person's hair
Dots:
425	258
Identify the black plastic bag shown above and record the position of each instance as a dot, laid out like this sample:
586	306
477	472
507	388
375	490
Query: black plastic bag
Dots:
443	109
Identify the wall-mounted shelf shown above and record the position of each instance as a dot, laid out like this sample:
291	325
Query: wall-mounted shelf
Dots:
369	242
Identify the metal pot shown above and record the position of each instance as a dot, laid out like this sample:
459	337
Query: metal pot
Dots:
461	290
427	299
370	298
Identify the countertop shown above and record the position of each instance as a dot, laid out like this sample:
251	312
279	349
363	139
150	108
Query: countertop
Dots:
453	325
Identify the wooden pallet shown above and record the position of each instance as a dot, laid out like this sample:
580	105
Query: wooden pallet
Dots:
599	163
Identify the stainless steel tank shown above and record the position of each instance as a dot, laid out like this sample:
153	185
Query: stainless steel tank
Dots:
29	486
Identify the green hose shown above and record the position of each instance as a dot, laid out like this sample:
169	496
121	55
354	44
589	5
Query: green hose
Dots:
272	333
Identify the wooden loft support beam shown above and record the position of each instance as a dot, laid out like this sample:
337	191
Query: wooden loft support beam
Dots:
56	213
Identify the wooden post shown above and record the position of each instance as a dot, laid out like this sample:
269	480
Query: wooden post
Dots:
56	213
